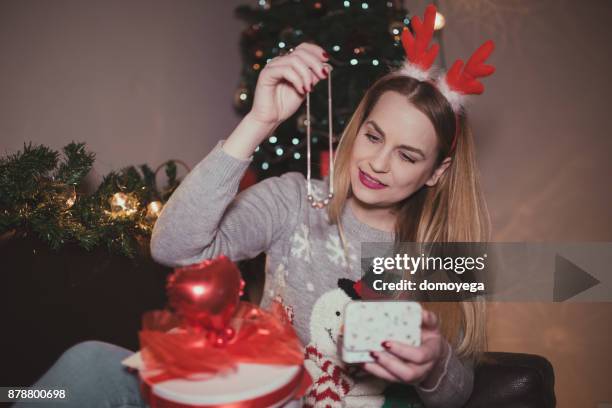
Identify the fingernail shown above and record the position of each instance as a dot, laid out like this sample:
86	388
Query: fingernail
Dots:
386	344
325	54
374	355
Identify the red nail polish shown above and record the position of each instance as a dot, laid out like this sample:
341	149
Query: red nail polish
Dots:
325	54
386	344
374	356
324	73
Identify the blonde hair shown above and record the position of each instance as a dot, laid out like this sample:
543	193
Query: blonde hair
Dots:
453	210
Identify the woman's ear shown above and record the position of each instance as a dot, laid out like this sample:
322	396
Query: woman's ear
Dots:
433	180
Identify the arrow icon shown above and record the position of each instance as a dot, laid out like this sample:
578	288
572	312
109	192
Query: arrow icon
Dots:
570	279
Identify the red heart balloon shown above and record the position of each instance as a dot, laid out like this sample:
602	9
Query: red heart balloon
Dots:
205	295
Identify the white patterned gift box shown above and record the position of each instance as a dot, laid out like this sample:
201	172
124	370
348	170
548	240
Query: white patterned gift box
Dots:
369	323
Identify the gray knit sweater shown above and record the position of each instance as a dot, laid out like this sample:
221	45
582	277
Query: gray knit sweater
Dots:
205	218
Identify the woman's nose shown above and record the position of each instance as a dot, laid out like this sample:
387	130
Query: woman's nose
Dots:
380	162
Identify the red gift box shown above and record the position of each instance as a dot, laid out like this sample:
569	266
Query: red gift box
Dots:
215	351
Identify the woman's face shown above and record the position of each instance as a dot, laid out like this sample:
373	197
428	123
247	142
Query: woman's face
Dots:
397	146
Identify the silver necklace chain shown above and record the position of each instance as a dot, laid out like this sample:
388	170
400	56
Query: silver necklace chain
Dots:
314	202
319	204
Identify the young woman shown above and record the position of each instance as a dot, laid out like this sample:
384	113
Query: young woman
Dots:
404	171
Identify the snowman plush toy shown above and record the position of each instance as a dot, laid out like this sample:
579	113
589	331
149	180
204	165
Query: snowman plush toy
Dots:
336	384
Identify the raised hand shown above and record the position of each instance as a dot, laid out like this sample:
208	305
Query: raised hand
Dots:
284	81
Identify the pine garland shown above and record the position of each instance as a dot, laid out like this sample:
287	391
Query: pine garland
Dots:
41	195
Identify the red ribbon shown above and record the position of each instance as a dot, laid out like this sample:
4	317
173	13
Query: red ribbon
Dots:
262	337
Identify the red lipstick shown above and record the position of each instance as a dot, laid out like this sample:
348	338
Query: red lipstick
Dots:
370	182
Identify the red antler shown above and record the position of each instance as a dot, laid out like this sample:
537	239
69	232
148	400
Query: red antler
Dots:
466	82
416	49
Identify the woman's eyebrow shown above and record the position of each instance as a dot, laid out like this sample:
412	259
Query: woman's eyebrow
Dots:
411	148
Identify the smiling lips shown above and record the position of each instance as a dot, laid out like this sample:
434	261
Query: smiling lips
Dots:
369	181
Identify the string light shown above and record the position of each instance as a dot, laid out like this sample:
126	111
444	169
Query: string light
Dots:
71	200
295	141
153	210
122	205
272	139
241	96
65	195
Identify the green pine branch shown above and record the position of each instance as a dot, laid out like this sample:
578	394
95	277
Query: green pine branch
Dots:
38	196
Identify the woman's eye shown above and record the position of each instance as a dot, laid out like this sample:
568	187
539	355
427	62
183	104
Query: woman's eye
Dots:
372	138
406	158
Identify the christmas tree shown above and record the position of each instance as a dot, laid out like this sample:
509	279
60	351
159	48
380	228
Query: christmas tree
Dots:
363	41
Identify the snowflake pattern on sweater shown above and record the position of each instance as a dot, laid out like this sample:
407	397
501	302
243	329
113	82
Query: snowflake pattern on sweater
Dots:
335	251
300	247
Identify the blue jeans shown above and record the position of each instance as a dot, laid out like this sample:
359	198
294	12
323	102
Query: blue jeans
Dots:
93	376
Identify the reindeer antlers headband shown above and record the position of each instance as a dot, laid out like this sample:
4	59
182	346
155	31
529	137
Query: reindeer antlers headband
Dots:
460	80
